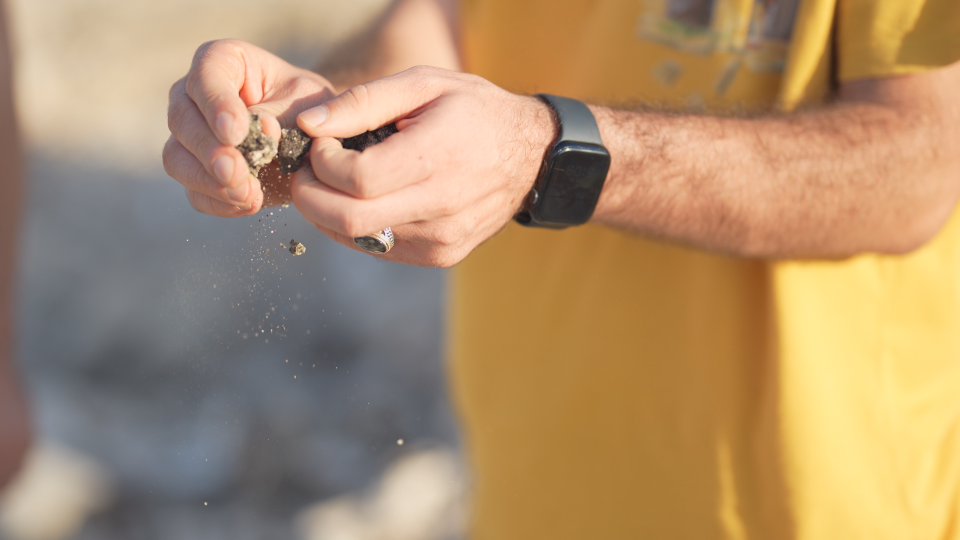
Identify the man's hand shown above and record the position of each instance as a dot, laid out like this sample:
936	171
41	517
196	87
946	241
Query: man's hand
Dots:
208	117
466	156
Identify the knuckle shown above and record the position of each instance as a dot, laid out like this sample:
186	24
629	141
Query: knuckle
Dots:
197	143
213	47
444	237
176	113
198	177
433	257
440	258
358	96
196	200
228	43
178	164
212	59
177	89
423	77
357	227
201	58
447	235
364	190
222	209
198	79
348	224
362	181
202	51
205	204
168	157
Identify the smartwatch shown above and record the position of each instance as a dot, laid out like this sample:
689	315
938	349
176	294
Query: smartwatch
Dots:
573	172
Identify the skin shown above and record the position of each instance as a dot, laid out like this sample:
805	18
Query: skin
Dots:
208	117
877	171
14	423
874	171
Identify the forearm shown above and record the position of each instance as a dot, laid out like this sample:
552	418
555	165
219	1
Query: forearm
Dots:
862	175
407	34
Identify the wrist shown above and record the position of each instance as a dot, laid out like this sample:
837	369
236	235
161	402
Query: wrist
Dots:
539	132
610	203
574	169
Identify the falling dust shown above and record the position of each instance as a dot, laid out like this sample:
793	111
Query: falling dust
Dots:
268	310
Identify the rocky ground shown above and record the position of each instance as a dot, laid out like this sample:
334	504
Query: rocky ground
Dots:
190	378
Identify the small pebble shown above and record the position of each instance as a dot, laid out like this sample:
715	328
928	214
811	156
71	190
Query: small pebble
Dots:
297	248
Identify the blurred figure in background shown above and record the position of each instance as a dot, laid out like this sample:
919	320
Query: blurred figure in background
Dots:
14	426
800	384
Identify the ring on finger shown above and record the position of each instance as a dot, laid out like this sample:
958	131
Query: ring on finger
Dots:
376	243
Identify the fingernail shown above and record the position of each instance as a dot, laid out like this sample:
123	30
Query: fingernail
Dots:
225	127
315	116
223	169
239	193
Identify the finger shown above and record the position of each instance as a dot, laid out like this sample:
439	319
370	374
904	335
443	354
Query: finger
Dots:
281	104
184	167
223	162
368	106
291	92
208	205
353	217
413	245
269	124
225	77
404	252
403	159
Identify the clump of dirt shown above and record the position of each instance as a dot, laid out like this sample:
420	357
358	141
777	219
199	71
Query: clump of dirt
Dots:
297	248
370	138
258	148
294	145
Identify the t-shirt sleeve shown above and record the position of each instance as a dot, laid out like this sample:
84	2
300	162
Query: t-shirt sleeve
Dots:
876	38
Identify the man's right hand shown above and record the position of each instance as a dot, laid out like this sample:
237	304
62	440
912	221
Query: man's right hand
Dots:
208	118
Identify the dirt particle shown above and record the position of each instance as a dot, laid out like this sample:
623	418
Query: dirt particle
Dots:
258	148
365	140
294	145
297	248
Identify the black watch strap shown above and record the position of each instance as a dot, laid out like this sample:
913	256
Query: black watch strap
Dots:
576	121
573	172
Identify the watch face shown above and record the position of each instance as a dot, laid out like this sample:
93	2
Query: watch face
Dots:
572	184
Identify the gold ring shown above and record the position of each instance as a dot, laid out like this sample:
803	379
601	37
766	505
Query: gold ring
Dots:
377	243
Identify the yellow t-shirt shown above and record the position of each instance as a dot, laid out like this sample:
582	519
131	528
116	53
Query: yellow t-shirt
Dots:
615	387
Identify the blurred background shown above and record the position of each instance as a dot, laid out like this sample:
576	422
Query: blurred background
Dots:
188	377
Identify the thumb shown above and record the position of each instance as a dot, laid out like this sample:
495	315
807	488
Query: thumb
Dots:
368	106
